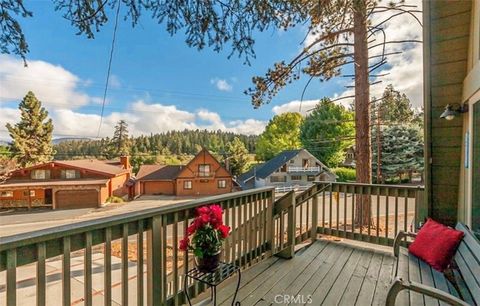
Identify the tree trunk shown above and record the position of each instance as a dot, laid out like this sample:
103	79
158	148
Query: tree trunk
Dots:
362	111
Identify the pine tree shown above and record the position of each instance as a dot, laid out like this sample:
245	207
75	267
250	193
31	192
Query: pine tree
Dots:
402	151
120	141
32	136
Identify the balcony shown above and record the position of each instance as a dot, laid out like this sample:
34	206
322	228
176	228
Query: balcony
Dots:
133	258
296	169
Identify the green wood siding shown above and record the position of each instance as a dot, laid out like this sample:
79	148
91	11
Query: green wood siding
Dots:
447	26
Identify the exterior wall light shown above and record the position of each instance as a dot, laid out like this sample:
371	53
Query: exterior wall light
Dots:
451	111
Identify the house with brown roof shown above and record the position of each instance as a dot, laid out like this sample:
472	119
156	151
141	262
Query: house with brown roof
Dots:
67	184
202	176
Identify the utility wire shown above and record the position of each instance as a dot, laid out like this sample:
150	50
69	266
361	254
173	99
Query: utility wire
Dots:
109	67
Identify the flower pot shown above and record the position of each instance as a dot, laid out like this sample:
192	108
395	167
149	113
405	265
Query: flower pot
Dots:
208	263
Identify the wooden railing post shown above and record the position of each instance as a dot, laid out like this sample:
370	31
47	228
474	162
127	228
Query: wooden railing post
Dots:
289	251
154	263
421	207
313	233
270	224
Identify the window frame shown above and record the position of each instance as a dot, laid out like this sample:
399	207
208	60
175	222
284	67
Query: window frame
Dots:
63	174
220	186
32	193
7	192
185	183
33	175
296	177
204	173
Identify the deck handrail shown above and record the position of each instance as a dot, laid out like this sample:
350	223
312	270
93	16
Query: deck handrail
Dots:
331	208
19	240
248	213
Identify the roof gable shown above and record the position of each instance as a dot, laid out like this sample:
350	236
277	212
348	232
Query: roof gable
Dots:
204	157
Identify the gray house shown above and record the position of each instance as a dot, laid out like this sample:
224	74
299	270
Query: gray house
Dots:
291	169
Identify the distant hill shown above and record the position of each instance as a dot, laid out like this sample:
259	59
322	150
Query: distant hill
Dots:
65	139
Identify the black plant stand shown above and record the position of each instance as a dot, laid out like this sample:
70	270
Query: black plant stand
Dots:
213	279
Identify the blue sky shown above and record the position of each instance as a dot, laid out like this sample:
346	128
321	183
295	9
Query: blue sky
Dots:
158	83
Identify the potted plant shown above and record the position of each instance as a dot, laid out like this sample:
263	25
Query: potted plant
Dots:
205	236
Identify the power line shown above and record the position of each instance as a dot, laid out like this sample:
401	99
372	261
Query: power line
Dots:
109	66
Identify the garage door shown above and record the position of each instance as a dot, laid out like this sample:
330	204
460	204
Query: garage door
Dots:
76	198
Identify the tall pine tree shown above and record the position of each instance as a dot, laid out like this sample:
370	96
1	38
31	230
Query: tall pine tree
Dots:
32	136
120	142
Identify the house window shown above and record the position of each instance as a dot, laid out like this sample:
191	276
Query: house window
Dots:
310	178
6	194
40	174
476	168
222	184
204	170
187	185
70	174
278	179
32	193
284	168
292	161
296	177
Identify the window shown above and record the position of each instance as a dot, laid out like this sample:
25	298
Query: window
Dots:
70	174
204	170
476	168
40	174
222	184
296	177
278	179
310	178
292	161
187	185
6	194
284	168
32	193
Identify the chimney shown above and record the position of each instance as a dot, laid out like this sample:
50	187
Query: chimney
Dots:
125	162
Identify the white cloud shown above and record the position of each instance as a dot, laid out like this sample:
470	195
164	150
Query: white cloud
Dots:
295	106
404	71
221	84
52	84
142	118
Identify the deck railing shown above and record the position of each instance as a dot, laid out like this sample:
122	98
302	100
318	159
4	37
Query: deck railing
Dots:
142	245
333	209
303	169
135	256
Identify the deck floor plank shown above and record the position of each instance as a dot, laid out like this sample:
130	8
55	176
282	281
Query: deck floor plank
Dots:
384	280
356	280
366	294
325	273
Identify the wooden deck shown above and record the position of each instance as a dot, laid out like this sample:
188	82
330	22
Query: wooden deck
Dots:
325	273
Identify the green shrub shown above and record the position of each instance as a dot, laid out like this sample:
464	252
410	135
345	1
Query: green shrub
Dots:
345	174
114	199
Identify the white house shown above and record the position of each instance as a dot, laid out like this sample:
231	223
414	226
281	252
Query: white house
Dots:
289	169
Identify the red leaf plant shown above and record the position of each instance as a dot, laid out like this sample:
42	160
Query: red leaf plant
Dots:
206	232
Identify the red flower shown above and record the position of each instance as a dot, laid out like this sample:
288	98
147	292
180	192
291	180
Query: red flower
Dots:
205	218
204	210
216	211
191	229
224	230
184	244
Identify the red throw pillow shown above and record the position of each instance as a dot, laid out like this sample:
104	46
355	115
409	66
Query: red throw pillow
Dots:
436	244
